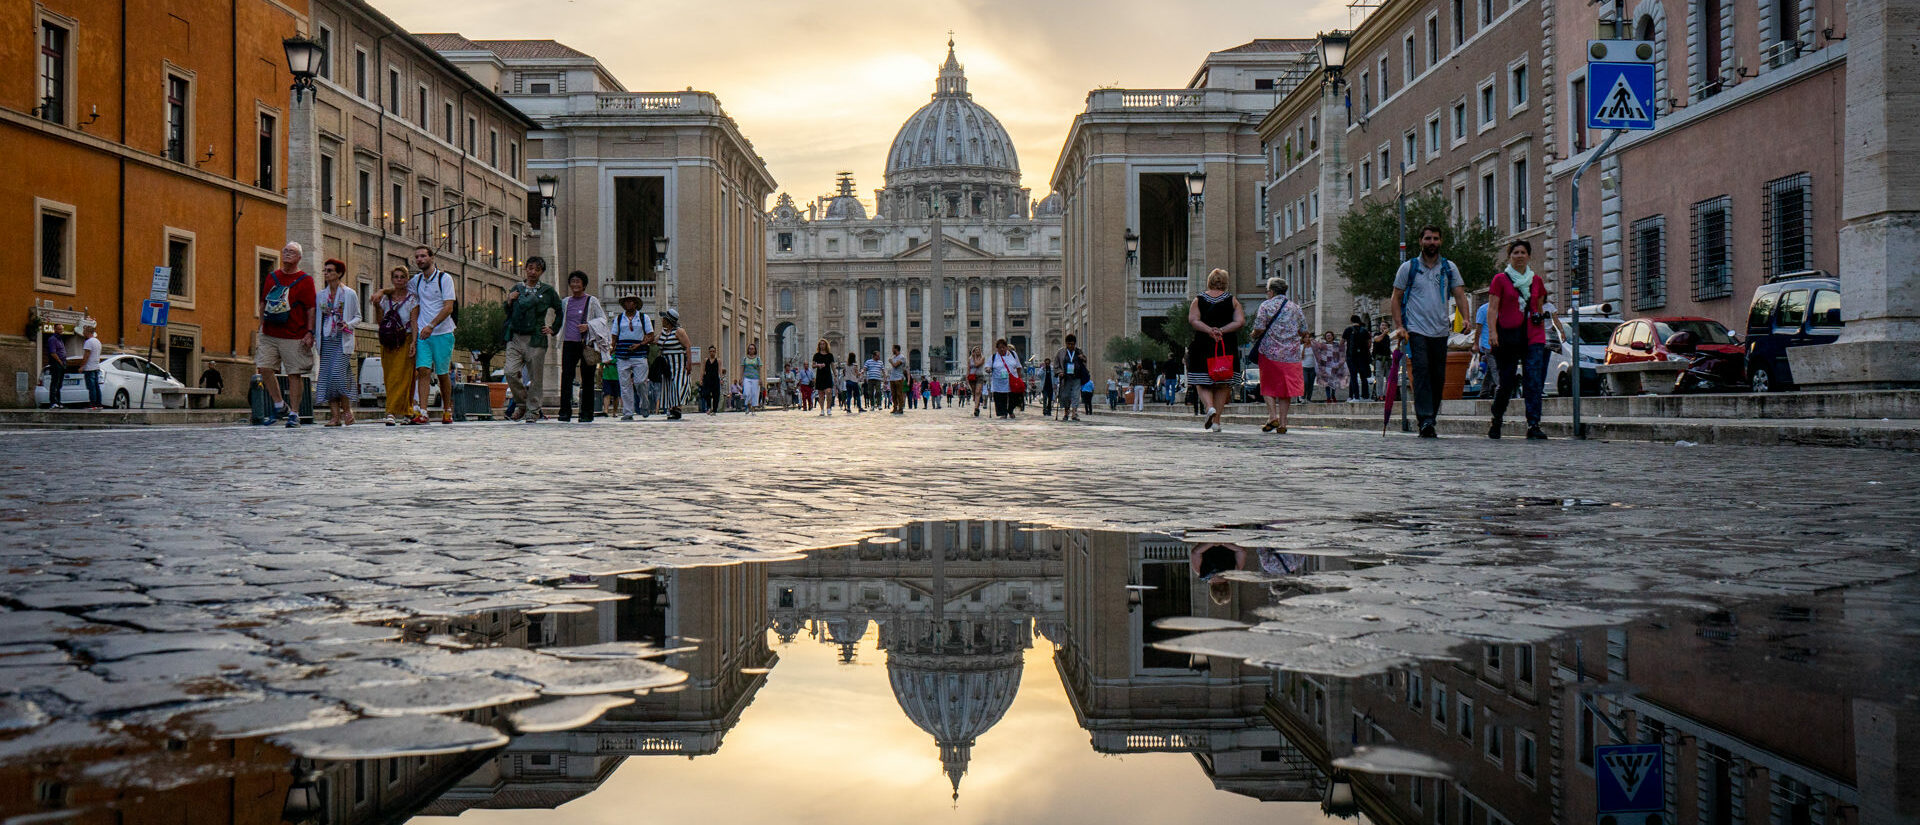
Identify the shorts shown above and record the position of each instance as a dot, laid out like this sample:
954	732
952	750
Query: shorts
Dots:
286	356
435	351
610	387
1281	379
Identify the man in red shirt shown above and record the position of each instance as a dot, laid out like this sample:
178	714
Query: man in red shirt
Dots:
285	343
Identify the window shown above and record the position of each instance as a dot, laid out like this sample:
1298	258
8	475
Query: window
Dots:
869	244
421	107
1366	93
1459	23
267	151
1459	121
179	129
1433	40
1712	253
786	242
180	260
473	136
1262	84
1386	166
1789	225
326	53
54	251
1649	238
1410	147
1520	193
1491	659
1409	54
1577	95
786	300
1493	745
397	208
540	88
1792	312
446	120
513	157
326	184
426	218
1526	755
1489	199
1385	85
1486	105
1584	734
1707	82
1523	664
1486	13
1517	93
54	44
360	73
493	148
1580	265
1464	723
1826	310
393	92
1366	175
1433	136
833	245
1440	705
363	198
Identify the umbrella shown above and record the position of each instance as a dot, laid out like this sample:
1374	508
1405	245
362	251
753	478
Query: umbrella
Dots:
1393	388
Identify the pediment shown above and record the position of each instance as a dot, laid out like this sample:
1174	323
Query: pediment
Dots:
955	251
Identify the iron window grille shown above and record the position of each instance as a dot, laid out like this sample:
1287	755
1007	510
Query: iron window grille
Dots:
1712	255
1650	263
1788	240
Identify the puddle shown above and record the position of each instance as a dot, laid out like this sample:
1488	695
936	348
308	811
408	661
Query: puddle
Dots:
979	671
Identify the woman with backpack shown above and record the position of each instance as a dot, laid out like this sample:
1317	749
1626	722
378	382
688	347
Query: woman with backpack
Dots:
339	310
397	311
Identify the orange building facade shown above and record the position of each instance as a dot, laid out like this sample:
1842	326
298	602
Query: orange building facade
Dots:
133	136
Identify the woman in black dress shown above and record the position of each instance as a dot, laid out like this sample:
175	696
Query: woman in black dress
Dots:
823	377
710	383
1216	317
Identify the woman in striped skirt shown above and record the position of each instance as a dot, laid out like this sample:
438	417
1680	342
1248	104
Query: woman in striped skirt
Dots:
674	347
339	311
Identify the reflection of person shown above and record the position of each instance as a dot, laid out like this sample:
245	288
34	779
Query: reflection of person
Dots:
1208	561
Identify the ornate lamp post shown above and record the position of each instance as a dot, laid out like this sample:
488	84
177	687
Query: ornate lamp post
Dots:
1133	281
671	282
549	228
303	190
1197	229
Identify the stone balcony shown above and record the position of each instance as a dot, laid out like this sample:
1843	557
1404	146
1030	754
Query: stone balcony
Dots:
612	291
1163	287
620	104
1148	101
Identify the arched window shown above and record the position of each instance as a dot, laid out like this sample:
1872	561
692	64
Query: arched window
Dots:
1053	297
786	300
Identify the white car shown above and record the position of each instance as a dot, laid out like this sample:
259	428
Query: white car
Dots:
373	384
1597	323
121	383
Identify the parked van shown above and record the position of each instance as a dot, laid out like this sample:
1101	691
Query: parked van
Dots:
1795	310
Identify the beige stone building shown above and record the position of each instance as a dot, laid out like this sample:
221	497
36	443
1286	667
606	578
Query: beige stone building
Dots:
411	150
1446	92
639	171
1125	168
868	283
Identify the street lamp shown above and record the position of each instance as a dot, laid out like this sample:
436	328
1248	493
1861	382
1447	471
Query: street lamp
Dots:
303	60
1332	50
1197	228
548	184
1133	281
1196	184
660	253
1339	801
1133	245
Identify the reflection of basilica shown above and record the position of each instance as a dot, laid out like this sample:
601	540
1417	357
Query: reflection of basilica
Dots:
955	604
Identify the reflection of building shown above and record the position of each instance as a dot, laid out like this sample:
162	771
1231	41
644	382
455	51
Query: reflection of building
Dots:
1134	698
719	606
955	604
635	168
870	283
1124	169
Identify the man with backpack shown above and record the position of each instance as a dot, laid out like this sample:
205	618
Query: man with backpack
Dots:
528	325
633	335
285	343
436	292
1070	364
1423	319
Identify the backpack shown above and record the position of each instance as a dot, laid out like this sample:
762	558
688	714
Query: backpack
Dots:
393	328
279	302
1413	272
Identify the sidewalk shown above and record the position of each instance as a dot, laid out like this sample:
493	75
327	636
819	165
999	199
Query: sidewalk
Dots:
1806	419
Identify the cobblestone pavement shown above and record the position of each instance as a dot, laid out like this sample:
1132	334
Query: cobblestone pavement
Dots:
159	568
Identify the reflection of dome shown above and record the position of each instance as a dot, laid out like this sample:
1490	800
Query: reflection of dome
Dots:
846	633
786	627
955	698
952	132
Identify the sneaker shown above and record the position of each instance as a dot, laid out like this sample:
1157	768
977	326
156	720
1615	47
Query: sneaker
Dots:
1534	433
293	419
1493	430
1427	431
627	417
391	421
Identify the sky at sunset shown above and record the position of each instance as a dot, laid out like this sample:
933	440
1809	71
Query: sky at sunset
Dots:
822	87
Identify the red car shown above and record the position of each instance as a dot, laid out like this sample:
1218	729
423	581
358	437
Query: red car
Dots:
1716	359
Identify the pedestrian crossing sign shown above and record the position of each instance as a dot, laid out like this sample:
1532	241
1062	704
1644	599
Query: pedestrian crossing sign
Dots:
1629	779
1620	96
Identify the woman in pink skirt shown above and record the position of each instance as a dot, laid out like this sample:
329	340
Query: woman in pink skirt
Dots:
1276	330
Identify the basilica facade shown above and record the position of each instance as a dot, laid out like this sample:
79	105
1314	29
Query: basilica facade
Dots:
956	255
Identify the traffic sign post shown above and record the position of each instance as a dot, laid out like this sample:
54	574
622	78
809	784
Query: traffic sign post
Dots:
162	283
153	313
1630	779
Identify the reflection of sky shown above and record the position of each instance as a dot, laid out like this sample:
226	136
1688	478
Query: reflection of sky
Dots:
820	87
826	743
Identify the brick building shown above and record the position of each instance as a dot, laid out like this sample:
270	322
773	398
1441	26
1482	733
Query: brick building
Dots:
134	136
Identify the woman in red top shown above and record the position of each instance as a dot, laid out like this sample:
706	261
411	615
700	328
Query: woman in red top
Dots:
1517	308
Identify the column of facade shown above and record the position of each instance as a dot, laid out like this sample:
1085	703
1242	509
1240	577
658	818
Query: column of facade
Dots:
986	317
930	319
810	331
1037	312
1000	313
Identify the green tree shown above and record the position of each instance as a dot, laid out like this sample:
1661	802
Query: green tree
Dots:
1367	251
1175	328
1124	350
482	331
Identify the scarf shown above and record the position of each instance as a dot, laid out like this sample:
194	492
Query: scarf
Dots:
1523	283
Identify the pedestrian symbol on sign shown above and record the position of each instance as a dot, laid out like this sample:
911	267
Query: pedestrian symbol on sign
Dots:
1632	779
1621	104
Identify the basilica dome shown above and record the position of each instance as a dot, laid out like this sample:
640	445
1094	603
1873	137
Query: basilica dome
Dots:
952	135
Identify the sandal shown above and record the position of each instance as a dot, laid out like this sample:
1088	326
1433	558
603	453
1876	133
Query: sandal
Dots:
1281	429
1271	423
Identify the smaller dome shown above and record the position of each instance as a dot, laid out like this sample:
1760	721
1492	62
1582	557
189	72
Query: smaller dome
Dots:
1050	207
846	207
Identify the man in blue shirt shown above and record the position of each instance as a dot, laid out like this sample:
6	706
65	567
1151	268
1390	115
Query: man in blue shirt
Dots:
875	369
1422	318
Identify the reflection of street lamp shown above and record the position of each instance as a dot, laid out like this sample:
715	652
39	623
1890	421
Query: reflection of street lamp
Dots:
1197	228
1339	800
304	801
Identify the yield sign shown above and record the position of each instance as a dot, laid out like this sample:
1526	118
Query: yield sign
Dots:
1620	96
1630	778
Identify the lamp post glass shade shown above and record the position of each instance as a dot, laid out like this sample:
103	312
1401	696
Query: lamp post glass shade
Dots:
303	57
547	185
1197	183
1333	51
1133	243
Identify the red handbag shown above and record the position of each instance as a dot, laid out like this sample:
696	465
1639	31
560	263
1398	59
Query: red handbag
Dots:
1220	366
1015	384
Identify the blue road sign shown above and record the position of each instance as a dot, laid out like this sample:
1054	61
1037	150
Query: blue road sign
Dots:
1630	779
1620	96
153	313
